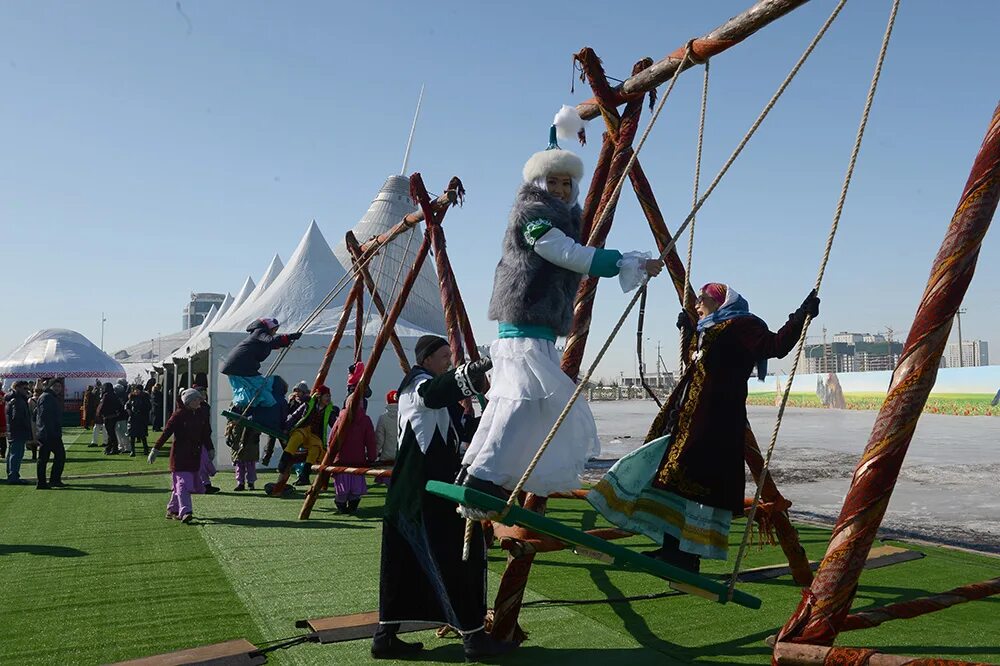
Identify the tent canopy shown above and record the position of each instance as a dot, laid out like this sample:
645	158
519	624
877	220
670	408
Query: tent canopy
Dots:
59	352
392	204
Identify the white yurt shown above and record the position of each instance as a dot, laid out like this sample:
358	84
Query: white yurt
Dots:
60	352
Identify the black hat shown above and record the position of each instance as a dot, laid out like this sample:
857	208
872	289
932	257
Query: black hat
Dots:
427	345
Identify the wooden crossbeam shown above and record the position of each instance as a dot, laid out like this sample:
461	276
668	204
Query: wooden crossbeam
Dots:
727	35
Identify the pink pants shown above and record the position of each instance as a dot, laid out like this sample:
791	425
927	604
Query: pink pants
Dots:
180	496
246	471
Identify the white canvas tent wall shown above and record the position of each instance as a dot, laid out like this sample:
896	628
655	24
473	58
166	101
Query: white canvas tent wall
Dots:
311	272
60	352
392	203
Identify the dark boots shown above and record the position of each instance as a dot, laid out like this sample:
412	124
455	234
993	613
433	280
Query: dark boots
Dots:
671	553
303	477
480	645
385	644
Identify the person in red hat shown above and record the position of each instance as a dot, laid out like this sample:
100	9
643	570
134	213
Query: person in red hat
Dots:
387	430
357	449
307	440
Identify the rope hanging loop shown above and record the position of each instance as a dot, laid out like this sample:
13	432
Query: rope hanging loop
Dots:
869	100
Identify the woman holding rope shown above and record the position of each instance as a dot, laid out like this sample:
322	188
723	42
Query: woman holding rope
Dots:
683	487
242	366
534	288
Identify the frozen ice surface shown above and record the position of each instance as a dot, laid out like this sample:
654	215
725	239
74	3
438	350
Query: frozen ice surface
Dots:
948	490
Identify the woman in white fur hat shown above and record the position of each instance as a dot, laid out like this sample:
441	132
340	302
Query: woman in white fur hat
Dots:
534	288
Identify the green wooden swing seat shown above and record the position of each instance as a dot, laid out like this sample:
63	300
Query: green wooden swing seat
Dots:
253	425
680	579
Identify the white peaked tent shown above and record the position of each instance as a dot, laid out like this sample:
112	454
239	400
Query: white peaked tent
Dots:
248	288
392	203
59	352
238	317
293	295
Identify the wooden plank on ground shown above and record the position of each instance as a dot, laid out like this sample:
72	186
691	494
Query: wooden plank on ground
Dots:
341	628
883	556
231	653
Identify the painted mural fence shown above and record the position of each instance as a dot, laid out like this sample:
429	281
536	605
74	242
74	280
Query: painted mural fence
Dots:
957	391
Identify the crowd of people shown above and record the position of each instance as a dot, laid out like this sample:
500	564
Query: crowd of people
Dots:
681	488
122	415
31	420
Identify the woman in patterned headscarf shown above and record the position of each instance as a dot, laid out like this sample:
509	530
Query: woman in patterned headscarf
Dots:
684	485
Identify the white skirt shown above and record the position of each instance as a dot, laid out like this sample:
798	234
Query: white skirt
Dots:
528	391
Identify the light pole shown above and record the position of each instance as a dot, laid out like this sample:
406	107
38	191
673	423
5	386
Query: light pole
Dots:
961	355
103	319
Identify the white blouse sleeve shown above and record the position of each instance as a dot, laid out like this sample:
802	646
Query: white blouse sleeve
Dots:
559	249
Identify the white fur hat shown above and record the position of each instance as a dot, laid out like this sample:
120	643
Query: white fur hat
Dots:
555	160
552	161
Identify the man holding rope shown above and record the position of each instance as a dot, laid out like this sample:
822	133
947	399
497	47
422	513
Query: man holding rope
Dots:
423	576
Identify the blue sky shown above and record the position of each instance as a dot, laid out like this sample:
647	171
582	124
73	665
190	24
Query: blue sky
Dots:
144	157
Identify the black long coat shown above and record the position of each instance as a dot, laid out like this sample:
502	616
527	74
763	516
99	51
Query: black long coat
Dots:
707	411
423	576
138	409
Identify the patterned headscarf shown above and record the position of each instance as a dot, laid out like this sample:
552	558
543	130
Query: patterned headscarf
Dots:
731	306
716	291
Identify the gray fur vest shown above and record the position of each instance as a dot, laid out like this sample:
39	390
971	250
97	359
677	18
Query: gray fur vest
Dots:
526	288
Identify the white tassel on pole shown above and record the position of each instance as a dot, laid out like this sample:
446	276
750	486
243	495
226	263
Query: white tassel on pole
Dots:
569	124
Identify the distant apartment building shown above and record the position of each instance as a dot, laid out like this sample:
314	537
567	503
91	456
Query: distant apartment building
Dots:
200	305
974	353
851	352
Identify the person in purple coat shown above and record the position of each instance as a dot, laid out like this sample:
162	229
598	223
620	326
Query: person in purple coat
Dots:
188	428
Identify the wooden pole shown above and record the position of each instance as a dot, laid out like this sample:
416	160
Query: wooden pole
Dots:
623	135
451	196
821	612
351	406
433	216
794	654
354	247
730	33
345	316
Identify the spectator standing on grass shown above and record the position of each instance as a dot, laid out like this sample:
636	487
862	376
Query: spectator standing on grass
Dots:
156	417
121	426
96	421
48	421
32	409
19	430
110	411
387	430
138	408
3	423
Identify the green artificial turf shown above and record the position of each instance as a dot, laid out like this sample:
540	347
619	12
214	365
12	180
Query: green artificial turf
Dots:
83	460
94	573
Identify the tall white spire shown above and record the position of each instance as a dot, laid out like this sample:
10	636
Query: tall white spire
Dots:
413	128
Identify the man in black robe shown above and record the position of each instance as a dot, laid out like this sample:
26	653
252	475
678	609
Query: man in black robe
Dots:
423	577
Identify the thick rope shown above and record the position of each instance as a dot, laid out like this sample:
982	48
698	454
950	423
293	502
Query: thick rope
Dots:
395	283
694	202
612	201
368	316
670	246
819	281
